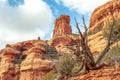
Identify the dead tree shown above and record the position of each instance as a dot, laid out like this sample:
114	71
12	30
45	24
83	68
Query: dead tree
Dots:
83	52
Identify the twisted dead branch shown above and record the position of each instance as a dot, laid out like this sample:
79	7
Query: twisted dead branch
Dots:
83	52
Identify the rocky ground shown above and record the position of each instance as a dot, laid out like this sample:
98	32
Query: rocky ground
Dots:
105	73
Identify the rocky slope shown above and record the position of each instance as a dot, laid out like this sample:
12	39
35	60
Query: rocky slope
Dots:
104	14
105	73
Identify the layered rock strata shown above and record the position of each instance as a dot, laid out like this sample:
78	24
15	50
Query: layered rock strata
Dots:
104	14
62	26
23	61
62	32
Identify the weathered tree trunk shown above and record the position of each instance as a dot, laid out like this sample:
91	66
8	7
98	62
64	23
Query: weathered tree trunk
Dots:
82	50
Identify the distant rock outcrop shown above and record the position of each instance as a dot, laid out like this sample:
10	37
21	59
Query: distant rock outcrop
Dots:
61	29
104	15
62	26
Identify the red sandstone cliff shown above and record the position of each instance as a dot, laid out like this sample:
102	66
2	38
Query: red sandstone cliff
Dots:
104	15
23	60
62	26
61	29
32	66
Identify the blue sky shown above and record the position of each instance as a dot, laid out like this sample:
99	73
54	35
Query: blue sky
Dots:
27	19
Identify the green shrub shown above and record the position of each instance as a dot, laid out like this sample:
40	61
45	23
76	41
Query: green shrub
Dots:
77	66
50	56
113	55
115	33
49	76
19	59
65	65
51	53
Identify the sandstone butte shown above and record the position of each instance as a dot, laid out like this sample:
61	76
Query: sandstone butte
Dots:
61	30
33	66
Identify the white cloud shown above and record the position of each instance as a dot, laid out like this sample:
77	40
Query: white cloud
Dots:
3	0
24	22
83	6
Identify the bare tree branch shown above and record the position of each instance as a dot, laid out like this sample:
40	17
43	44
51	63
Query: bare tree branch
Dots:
106	48
86	29
83	52
85	49
77	26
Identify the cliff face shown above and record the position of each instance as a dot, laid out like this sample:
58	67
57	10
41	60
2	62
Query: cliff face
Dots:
23	61
7	66
97	42
33	66
104	15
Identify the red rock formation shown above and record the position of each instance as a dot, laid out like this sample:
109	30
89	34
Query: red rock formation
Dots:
62	26
104	15
7	66
105	73
32	66
61	41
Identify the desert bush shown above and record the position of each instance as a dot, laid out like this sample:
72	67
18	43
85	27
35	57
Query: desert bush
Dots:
50	56
113	55
49	76
116	30
51	53
19	59
65	65
77	66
